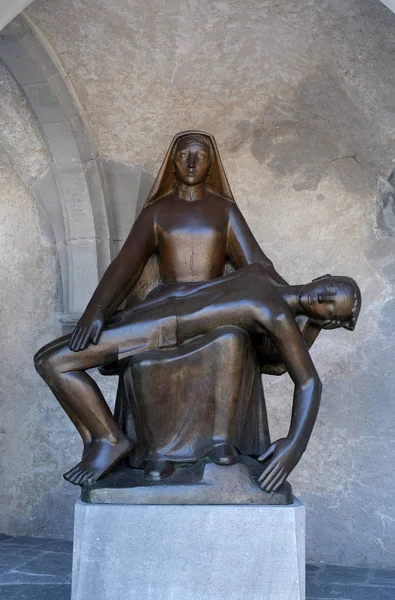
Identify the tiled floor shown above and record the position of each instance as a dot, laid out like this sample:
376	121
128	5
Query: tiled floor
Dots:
333	582
40	569
34	568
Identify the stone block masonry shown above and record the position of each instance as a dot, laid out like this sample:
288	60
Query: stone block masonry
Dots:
188	552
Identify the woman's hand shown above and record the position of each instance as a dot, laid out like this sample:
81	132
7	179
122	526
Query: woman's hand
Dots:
88	329
280	458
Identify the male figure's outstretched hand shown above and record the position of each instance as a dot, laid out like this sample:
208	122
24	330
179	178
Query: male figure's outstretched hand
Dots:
88	329
280	459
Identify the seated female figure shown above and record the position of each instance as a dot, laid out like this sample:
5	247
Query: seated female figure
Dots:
192	225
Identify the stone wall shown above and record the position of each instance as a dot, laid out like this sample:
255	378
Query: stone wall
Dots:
30	453
300	99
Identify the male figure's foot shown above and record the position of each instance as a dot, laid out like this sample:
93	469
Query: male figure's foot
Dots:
99	460
224	454
158	469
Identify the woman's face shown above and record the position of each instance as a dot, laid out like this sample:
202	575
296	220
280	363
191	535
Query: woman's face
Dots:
192	161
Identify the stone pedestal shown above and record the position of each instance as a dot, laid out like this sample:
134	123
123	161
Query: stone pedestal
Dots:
189	552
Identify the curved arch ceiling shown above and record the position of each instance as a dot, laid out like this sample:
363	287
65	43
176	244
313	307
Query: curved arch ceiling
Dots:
9	9
70	193
390	4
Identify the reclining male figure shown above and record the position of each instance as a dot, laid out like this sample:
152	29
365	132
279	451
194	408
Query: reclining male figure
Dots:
245	298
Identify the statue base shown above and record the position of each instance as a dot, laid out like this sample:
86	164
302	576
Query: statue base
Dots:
203	482
189	552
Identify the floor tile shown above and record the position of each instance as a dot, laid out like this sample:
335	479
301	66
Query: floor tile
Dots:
58	546
25	541
339	574
319	591
312	568
35	592
4	538
383	577
49	563
25	551
14	577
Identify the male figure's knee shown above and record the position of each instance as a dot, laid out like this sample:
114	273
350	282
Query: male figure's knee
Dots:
235	336
38	357
43	362
39	361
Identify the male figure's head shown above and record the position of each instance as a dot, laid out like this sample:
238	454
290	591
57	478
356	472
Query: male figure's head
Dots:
192	159
331	301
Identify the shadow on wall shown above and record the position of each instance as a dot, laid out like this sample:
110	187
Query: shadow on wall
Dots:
386	206
301	136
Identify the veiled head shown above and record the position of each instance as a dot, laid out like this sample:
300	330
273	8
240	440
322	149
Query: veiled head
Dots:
213	174
192	159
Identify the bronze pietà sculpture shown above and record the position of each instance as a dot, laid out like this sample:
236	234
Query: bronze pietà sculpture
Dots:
189	314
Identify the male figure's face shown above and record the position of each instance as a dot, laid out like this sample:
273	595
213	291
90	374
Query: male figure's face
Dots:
192	161
327	298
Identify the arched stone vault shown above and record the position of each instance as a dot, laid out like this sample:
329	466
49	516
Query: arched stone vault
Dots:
72	194
303	112
10	9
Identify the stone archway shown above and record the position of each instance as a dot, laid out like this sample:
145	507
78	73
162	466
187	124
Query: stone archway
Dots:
71	192
86	202
9	9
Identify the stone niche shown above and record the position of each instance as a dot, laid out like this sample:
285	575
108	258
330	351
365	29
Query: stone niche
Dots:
302	107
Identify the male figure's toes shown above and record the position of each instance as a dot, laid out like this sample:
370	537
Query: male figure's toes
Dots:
71	472
79	479
73	475
67	476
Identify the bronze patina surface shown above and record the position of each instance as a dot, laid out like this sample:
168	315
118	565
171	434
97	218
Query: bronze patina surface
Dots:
190	313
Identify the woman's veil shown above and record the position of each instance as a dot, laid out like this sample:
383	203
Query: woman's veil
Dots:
165	181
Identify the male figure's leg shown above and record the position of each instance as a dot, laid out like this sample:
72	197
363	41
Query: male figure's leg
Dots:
64	372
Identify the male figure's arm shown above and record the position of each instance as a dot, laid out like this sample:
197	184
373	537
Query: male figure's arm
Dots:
284	454
117	282
243	249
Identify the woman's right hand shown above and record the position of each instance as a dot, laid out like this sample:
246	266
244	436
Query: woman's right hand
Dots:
88	329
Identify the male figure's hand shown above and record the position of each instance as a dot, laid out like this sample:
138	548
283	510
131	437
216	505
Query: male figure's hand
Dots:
280	459
88	329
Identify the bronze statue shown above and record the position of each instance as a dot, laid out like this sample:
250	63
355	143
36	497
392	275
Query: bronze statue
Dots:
212	276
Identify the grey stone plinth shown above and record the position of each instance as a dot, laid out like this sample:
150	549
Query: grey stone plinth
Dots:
188	552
